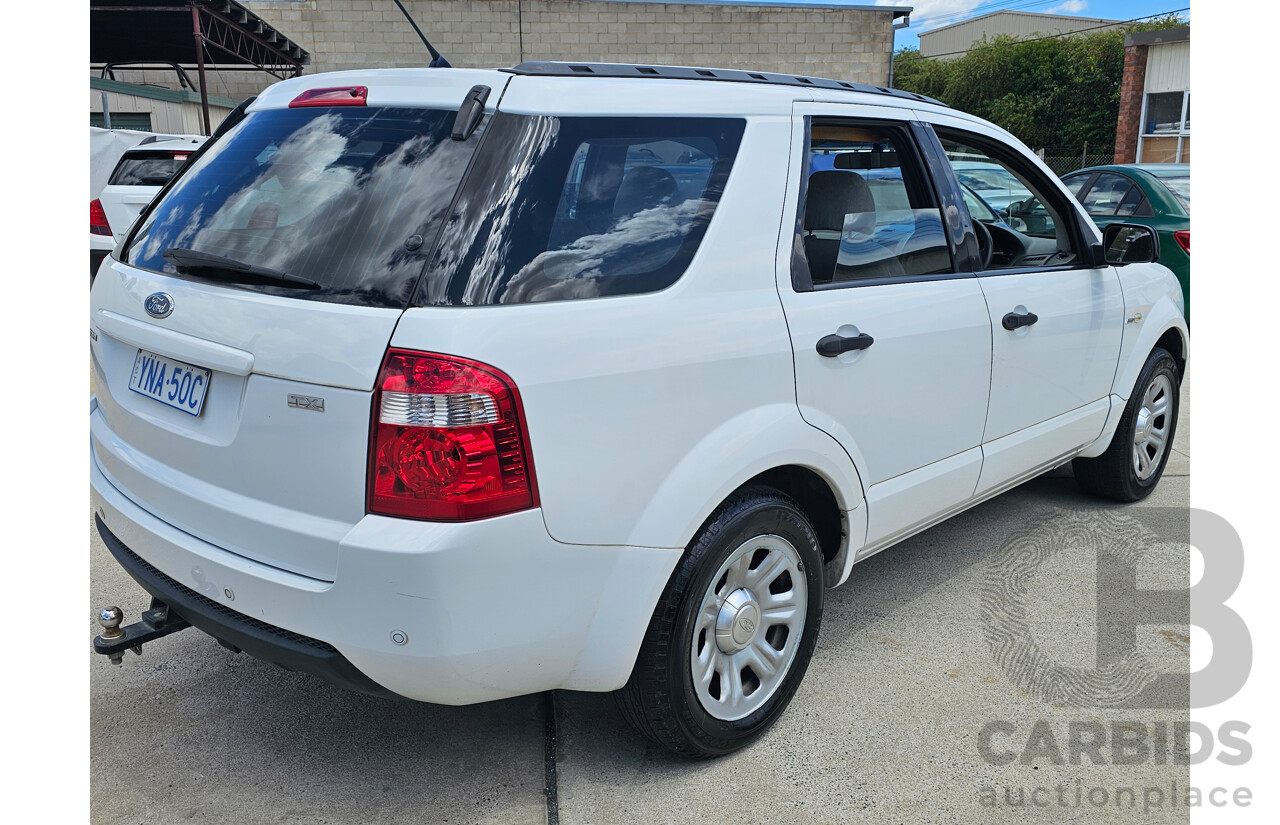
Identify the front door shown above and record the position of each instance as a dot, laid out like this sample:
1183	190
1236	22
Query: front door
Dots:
1056	322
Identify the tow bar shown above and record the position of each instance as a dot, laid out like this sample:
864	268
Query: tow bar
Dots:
115	640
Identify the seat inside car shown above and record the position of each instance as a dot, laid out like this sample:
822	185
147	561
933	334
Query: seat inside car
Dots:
643	187
839	205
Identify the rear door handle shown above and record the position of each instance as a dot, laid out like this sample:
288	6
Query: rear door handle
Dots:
832	345
1014	320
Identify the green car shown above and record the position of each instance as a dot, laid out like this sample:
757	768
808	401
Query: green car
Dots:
1157	195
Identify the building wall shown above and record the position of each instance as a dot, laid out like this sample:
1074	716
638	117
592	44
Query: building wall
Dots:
166	117
1169	67
1129	122
950	42
1155	62
842	43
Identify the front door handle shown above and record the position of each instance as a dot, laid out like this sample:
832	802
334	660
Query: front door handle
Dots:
1014	320
832	345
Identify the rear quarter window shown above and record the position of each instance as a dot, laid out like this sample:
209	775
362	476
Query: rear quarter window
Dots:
581	207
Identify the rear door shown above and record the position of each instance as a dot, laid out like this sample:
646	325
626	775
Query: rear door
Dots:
892	345
1056	322
236	407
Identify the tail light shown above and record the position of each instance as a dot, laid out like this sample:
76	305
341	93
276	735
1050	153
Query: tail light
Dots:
449	441
98	219
1183	238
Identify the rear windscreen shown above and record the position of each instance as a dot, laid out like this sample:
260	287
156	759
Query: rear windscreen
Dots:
1180	186
147	168
350	197
558	208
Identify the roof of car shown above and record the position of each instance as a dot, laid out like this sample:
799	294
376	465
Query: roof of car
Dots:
1159	170
164	142
1166	170
652	72
586	89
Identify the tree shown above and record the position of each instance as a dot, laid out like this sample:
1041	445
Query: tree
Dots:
1048	91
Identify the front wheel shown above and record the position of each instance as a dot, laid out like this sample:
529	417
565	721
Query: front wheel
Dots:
1133	464
733	633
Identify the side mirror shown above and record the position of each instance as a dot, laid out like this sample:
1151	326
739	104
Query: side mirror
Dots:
1129	243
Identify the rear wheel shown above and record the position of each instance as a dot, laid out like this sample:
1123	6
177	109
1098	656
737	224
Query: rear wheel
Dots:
1131	467
733	633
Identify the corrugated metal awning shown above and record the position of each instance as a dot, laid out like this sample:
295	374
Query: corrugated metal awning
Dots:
168	31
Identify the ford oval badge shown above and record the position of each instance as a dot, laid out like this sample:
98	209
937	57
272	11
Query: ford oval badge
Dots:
158	305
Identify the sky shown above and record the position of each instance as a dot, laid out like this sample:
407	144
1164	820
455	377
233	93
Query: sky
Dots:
930	14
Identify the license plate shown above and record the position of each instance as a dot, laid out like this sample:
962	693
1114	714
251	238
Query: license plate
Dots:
174	383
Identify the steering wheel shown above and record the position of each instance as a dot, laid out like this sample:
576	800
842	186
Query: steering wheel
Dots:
986	246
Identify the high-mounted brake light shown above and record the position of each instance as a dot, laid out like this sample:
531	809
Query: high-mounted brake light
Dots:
98	219
449	441
338	96
1183	237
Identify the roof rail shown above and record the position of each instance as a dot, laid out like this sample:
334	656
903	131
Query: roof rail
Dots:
548	69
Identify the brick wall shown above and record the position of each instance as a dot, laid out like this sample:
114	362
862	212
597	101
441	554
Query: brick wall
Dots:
845	44
1132	84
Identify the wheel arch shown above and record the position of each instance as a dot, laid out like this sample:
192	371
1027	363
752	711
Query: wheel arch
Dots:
1163	327
801	461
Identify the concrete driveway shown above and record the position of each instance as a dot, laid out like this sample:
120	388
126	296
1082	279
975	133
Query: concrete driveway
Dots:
904	692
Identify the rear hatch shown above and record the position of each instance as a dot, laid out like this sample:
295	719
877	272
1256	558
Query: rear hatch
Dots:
234	400
137	177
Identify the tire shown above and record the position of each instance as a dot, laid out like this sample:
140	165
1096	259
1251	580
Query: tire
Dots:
757	550
1121	473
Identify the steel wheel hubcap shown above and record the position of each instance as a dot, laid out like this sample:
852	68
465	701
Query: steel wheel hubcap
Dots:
1151	427
748	627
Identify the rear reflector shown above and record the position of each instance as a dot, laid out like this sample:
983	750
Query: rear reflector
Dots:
1184	240
339	96
98	219
449	441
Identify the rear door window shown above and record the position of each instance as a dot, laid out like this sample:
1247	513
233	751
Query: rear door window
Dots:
869	212
581	207
351	198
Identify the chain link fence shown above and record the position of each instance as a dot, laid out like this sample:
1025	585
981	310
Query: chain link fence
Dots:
1064	159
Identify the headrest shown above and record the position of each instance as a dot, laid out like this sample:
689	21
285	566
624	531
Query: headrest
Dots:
833	195
643	187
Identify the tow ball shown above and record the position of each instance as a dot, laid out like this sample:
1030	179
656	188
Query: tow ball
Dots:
114	640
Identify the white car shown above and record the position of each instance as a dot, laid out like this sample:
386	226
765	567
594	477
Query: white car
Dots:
459	385
139	174
992	182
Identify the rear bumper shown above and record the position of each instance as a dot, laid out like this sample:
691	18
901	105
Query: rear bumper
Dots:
291	651
483	610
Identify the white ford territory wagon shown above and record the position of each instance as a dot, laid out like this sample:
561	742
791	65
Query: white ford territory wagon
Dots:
457	385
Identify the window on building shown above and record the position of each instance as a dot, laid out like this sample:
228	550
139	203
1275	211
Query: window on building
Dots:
1166	128
140	121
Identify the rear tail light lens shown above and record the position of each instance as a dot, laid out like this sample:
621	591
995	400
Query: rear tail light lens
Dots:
339	96
1184	240
98	219
449	441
